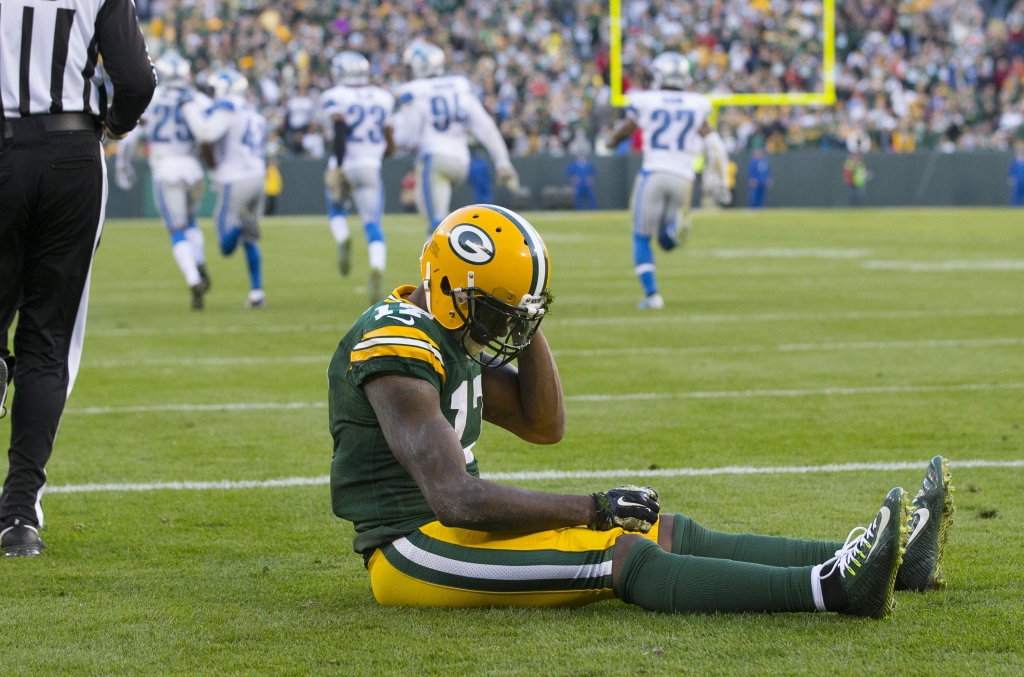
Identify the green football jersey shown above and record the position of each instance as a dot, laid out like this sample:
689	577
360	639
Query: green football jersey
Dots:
368	485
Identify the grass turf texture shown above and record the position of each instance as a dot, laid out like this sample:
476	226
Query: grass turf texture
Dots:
263	581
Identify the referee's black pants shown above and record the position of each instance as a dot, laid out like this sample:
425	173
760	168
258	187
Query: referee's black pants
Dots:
53	192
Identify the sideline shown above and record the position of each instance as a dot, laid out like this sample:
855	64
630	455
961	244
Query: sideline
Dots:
541	475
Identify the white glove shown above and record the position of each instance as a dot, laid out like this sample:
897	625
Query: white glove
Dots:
125	176
337	182
508	177
724	197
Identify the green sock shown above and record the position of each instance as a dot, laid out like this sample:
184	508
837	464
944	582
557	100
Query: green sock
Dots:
690	538
662	581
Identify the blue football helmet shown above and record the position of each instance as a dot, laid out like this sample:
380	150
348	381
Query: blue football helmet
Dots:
172	70
350	68
671	69
424	59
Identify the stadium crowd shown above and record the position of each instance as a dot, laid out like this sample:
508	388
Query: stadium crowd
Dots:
910	74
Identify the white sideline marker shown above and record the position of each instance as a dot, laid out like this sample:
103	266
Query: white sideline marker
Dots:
538	475
693	395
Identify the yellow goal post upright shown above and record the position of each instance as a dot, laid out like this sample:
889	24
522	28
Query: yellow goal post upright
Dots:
826	97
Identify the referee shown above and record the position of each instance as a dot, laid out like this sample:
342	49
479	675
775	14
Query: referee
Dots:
53	192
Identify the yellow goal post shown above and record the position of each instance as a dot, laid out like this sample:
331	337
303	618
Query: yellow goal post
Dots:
827	97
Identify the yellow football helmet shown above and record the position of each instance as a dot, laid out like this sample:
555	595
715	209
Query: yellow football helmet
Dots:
485	268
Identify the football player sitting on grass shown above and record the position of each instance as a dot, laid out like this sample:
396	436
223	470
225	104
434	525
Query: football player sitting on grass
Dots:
410	386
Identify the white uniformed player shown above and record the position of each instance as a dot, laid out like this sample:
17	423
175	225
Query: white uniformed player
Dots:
671	122
238	133
360	114
715	179
435	113
178	184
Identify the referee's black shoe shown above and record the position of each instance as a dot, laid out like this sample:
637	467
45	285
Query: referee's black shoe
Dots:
3	388
18	539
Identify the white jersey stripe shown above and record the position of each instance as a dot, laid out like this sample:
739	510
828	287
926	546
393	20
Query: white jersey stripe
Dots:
501	572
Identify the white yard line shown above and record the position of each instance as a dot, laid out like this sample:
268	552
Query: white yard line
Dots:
946	266
581	322
794	347
636	320
539	475
232	406
572	352
781	253
800	392
618	397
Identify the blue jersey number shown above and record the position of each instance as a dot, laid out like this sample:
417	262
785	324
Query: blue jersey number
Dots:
375	134
181	131
443	116
666	119
254	136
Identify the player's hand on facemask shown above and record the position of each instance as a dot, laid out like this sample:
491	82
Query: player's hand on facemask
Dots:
628	507
337	182
125	176
508	177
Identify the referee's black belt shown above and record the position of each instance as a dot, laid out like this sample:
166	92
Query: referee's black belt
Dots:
50	124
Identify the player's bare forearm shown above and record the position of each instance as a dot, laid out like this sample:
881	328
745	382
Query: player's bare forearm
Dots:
622	132
527	402
489	506
427	446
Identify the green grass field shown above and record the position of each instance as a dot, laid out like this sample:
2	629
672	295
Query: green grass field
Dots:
789	338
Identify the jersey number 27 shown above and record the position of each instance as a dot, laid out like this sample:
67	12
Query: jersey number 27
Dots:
666	119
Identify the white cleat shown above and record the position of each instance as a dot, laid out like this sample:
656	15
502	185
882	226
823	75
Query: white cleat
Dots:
256	299
652	302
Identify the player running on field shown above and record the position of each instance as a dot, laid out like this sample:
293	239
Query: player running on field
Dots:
360	115
436	111
237	132
178	183
409	388
671	122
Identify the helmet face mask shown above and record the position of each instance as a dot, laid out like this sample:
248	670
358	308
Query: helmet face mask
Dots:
503	330
485	274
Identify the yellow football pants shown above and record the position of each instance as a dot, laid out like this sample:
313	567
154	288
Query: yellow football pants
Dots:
445	567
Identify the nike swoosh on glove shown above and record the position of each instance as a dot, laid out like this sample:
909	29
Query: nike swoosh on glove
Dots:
628	507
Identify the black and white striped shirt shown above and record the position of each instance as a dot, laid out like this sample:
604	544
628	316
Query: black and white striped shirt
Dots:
48	55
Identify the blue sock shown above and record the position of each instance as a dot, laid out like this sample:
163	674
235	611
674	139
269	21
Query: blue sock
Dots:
255	260
177	236
373	232
334	208
229	241
643	259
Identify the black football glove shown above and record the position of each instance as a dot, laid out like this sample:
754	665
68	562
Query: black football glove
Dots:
628	507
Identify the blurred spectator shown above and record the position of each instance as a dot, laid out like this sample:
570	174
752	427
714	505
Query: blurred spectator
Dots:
408	195
273	186
582	173
856	175
1016	177
909	74
480	180
759	178
300	108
